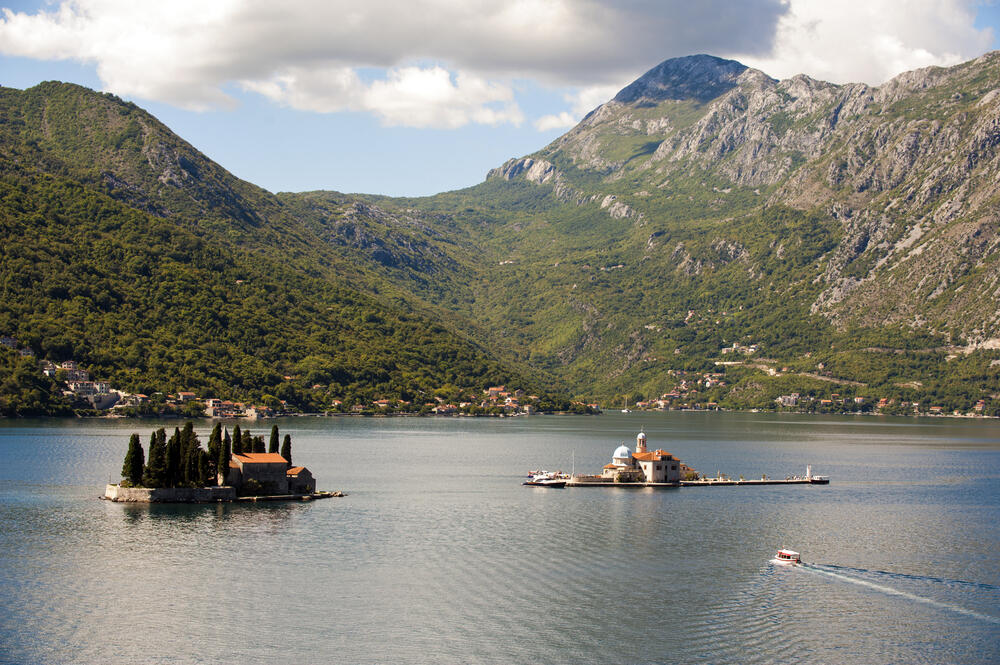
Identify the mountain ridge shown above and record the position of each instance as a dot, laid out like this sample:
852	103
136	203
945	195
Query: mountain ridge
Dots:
705	207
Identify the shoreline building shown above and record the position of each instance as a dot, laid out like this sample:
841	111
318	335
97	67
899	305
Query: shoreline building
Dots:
270	472
642	466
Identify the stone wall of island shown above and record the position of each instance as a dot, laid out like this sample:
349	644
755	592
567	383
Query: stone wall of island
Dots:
169	494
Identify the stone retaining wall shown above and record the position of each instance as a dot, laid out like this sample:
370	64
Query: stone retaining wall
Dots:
169	494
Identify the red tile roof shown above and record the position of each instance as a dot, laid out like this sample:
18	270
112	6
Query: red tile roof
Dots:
295	470
657	456
260	458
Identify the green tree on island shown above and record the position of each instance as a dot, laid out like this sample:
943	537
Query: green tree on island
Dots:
272	445
237	441
174	458
134	461
214	444
155	474
193	458
286	449
258	444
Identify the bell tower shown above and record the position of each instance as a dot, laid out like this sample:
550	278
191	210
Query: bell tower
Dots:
640	442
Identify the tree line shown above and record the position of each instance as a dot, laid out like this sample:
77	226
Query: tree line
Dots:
181	461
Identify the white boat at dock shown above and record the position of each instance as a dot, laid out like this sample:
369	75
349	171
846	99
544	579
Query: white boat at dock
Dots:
546	479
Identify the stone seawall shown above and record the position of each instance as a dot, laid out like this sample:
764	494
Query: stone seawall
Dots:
169	494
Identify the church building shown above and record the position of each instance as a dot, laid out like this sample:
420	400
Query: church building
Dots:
656	466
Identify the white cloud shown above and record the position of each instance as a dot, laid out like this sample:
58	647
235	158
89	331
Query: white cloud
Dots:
871	41
442	63
307	53
408	96
562	120
866	41
582	101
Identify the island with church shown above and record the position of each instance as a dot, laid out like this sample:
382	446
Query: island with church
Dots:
656	468
235	467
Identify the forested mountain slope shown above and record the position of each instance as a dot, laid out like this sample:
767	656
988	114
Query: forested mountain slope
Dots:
127	250
832	239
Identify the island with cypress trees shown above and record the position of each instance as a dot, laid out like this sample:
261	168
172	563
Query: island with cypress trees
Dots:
235	467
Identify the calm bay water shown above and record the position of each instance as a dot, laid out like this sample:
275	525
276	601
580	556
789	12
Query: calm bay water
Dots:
439	555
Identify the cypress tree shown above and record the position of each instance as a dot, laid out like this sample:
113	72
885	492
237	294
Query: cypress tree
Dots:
286	449
191	454
156	468
192	465
134	460
188	436
174	459
203	471
237	441
272	445
247	443
224	456
258	444
214	443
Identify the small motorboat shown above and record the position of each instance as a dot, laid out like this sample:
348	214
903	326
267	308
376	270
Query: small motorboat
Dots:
816	480
787	558
546	480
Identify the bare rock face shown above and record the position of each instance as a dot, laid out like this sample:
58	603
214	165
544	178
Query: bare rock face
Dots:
537	171
909	171
701	77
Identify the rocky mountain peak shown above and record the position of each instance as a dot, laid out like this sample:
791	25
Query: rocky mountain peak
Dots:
701	77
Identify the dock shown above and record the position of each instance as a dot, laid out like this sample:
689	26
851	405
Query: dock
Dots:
601	482
597	481
760	481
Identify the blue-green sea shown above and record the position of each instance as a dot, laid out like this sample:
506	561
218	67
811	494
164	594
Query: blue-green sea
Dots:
438	554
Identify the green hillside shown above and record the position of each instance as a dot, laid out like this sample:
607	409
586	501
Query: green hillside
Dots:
128	251
813	221
711	234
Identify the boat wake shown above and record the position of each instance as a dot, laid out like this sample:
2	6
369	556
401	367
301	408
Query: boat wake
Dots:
905	576
830	571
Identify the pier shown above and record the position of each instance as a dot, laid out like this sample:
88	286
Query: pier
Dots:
598	481
815	480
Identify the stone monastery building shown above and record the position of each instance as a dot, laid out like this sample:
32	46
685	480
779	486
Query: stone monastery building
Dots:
271	472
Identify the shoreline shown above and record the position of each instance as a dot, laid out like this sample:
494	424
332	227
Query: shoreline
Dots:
970	416
115	493
171	416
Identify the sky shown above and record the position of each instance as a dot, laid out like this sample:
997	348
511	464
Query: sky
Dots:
418	97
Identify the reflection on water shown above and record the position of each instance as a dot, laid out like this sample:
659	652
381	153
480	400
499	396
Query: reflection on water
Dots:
439	555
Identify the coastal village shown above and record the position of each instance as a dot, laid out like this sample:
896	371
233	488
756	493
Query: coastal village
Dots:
691	390
88	393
